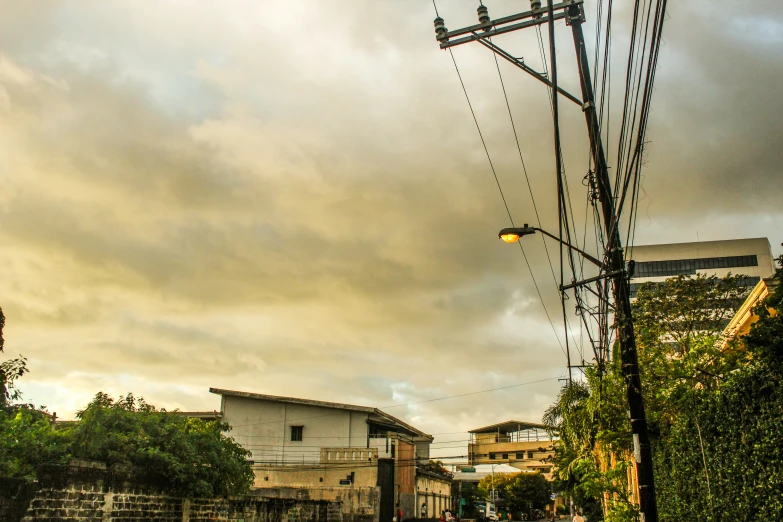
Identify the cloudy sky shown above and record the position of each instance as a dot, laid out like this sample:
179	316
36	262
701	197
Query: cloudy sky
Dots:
291	197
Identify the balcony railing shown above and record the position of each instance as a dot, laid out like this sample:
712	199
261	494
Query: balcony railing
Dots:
348	454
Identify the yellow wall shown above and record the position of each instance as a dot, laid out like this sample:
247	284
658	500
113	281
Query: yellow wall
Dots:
314	476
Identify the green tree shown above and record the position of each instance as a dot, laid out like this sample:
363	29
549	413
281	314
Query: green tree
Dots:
27	440
528	491
678	326
190	457
720	458
518	491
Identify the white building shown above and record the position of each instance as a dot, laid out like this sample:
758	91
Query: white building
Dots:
328	450
749	257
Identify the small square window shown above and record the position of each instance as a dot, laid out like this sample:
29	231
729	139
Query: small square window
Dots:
520	455
505	456
530	454
296	433
493	456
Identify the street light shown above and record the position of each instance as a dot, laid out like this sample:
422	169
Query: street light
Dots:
513	234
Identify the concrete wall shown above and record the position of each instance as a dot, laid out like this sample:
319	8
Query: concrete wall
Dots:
264	427
315	476
353	504
435	493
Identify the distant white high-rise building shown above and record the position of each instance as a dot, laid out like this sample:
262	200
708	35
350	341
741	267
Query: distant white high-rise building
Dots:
748	257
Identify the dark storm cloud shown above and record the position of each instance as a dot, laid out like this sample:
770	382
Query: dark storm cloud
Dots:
197	196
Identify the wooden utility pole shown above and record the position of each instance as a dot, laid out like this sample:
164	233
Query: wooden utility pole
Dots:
614	262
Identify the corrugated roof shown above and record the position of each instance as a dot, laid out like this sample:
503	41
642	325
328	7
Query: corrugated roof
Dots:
321	404
509	427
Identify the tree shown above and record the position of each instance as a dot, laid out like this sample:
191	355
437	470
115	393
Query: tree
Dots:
27	440
518	491
528	491
189	457
678	326
26	435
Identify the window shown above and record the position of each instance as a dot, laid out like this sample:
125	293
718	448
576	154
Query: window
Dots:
689	266
530	454
493	456
296	433
505	456
520	455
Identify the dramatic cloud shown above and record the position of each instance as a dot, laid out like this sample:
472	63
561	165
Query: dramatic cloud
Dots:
292	198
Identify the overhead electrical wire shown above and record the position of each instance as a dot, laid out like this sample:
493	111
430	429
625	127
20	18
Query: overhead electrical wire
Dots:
405	404
505	203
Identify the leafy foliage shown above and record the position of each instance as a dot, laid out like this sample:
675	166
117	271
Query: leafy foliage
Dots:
713	410
518	491
184	456
27	440
10	371
719	458
191	456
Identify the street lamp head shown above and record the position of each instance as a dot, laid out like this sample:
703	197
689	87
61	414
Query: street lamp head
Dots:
512	234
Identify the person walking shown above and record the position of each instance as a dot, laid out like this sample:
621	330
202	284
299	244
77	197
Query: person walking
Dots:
578	517
424	510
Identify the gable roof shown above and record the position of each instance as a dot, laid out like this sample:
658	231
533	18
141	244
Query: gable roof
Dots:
324	404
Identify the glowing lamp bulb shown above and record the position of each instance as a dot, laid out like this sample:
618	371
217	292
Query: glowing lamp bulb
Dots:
510	238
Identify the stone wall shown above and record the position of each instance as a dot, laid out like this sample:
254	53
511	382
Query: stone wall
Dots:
73	505
15	496
91	493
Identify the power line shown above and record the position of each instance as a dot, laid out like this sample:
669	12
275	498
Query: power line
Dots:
401	405
503	197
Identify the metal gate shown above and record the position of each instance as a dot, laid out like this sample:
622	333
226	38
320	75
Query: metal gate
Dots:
386	485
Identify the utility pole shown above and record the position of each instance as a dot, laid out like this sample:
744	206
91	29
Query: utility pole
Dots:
573	13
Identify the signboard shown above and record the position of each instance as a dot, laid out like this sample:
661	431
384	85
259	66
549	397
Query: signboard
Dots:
345	482
468	470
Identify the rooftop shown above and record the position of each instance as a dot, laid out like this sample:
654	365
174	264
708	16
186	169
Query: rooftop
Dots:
510	426
322	404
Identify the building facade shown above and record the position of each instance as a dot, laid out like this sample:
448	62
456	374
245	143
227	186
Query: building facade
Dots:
327	448
751	258
433	493
524	445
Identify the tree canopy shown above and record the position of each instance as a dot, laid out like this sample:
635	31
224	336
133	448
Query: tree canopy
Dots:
518	491
183	456
713	410
191	456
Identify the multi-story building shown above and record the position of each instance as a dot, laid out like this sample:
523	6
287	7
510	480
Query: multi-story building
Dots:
524	445
751	258
359	454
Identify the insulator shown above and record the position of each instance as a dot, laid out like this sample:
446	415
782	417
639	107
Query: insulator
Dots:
483	14
535	5
440	29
